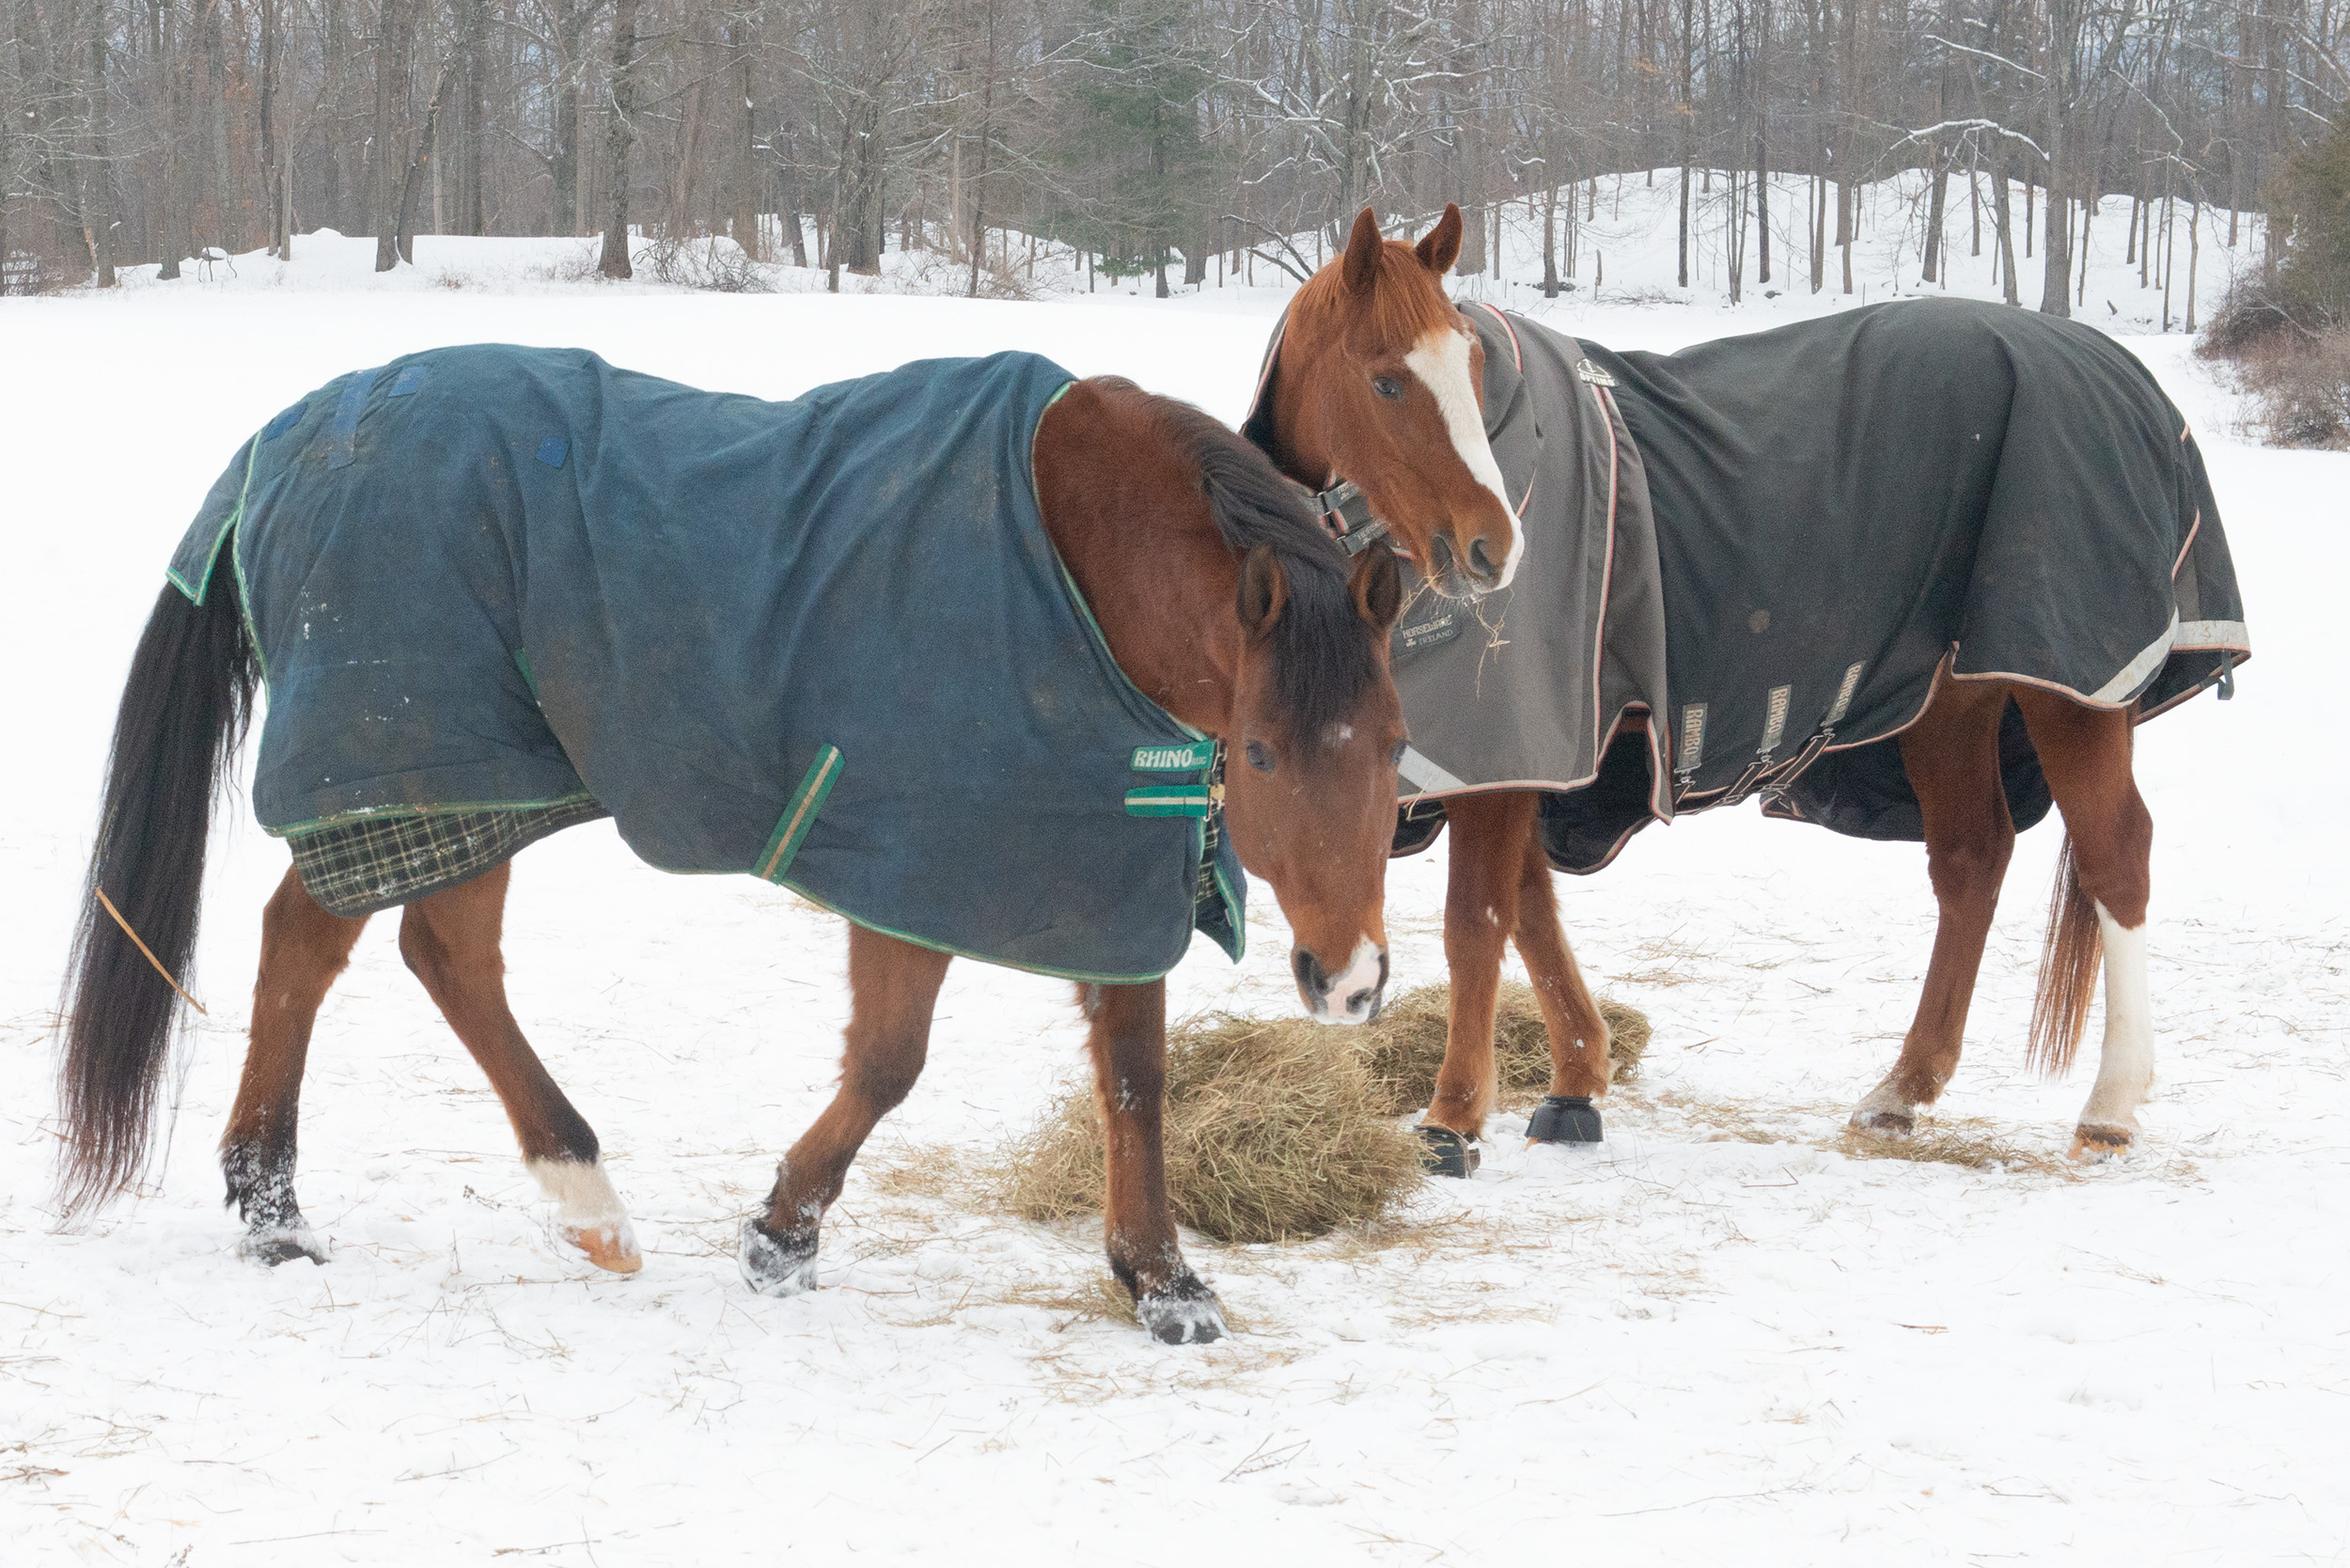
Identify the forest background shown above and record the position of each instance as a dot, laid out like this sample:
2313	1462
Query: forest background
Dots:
1159	139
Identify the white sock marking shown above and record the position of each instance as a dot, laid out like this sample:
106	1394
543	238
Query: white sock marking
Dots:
1441	361
583	1193
2126	1070
1883	1100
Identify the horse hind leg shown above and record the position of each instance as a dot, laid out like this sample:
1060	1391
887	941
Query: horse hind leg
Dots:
303	948
1952	755
451	941
1580	1068
2086	754
893	991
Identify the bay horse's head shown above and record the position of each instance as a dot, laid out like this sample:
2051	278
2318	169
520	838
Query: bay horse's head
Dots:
1314	736
1378	380
1225	600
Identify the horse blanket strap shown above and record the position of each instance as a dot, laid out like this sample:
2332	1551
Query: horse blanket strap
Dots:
498	591
1800	533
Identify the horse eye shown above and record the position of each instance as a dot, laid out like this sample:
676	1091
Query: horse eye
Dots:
1397	761
1386	386
1260	757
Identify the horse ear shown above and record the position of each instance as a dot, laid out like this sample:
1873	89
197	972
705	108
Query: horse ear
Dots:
1378	589
1264	589
1362	253
1441	245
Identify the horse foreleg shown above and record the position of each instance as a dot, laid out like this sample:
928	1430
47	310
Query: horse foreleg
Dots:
1579	1064
1952	755
452	942
1128	1042
1480	910
2085	753
303	948
893	989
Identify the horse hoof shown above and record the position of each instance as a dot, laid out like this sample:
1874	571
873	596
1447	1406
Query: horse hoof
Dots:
610	1244
1185	1314
1564	1119
1446	1153
281	1244
1886	1123
2095	1145
776	1265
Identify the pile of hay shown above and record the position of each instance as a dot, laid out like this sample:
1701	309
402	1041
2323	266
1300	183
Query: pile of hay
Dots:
1272	1134
1404	1046
1284	1129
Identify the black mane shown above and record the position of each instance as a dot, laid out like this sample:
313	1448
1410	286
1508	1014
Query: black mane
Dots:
1324	652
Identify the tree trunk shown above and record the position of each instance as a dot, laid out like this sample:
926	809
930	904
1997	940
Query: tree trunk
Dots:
571	27
334	65
391	69
1762	145
1942	176
1471	261
744	219
473	216
271	151
2003	225
101	206
790	207
856	225
619	137
421	166
1550	241
216	120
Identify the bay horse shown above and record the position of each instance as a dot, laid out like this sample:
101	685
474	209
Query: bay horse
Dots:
1965	752
1213	589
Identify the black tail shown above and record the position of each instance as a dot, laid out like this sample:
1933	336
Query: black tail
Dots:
183	718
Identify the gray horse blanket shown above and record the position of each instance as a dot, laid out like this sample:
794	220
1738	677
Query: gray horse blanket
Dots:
499	591
1776	545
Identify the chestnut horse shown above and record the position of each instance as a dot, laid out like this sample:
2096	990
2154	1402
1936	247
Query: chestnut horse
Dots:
1353	399
1218	596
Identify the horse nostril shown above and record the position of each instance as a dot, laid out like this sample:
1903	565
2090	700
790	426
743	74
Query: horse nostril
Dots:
1441	554
1481	560
1311	981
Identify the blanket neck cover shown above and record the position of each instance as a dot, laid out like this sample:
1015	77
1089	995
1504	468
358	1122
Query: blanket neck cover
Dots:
826	642
1777	544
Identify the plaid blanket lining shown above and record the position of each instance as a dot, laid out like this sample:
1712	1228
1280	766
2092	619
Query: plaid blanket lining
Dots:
366	864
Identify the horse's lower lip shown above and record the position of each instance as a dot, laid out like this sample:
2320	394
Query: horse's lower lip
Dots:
1456	583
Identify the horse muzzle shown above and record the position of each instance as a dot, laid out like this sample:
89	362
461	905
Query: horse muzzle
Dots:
1350	996
1460	573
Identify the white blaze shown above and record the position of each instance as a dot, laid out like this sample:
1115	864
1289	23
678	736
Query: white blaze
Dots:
1441	361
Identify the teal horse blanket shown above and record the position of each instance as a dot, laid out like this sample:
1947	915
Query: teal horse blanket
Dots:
825	641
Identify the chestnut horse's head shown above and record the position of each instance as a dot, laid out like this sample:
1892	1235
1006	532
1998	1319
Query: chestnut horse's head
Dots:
1378	381
1311	745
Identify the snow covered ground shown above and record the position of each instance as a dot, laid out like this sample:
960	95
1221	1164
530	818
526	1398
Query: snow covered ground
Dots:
1723	1332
